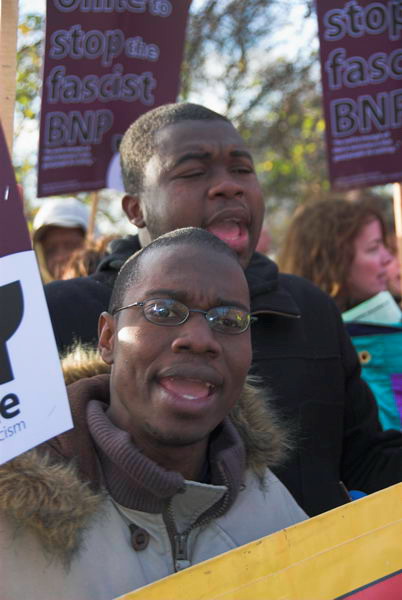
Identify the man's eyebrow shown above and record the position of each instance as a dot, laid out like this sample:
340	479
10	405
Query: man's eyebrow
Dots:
191	156
241	154
199	155
182	296
175	294
235	303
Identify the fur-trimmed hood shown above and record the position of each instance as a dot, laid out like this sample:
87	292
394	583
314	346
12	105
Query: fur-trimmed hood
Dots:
49	496
49	499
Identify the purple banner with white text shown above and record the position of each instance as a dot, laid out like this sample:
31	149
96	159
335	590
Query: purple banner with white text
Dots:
361	65
106	63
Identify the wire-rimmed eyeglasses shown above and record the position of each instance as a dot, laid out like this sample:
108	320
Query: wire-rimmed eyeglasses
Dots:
169	312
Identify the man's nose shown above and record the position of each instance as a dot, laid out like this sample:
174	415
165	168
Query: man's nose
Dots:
225	186
196	336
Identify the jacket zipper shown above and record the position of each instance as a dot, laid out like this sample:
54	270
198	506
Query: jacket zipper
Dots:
180	555
274	312
179	541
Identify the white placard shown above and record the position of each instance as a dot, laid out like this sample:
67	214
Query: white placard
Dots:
33	399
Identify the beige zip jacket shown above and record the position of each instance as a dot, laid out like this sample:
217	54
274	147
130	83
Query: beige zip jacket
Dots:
113	558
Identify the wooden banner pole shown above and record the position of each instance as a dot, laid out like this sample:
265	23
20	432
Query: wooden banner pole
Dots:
8	66
398	222
94	196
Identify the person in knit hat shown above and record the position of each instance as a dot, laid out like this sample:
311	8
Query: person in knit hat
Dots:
59	228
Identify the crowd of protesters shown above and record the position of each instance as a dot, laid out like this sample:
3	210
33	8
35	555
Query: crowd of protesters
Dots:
176	455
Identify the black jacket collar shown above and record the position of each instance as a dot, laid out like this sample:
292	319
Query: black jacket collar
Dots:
266	292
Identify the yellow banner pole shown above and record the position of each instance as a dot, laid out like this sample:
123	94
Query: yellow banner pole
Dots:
8	66
398	222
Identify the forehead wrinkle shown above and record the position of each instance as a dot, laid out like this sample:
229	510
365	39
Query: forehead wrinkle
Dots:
194	148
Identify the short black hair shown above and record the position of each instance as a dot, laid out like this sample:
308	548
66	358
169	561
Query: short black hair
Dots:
129	272
138	144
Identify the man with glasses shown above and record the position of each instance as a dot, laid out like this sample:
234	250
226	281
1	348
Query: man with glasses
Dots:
174	440
184	165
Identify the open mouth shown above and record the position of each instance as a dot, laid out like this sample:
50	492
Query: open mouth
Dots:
187	388
232	231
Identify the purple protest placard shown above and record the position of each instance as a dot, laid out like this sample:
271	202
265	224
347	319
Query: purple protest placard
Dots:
106	62
361	65
33	399
14	236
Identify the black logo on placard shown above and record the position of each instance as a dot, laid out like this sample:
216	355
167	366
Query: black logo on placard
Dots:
11	311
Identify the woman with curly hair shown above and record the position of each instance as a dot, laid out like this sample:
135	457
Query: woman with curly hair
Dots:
339	246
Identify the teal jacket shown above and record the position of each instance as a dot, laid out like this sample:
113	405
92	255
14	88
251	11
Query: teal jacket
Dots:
380	352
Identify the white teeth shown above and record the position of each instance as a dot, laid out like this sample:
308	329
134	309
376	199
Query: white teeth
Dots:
210	387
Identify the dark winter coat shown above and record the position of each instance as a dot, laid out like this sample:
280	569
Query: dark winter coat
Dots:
303	354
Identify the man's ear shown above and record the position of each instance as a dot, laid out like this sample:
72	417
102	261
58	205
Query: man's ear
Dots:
106	337
132	208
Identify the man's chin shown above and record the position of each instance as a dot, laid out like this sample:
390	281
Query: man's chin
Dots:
244	259
244	255
243	249
169	439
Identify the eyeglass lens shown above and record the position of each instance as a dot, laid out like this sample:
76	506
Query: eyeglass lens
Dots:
170	312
